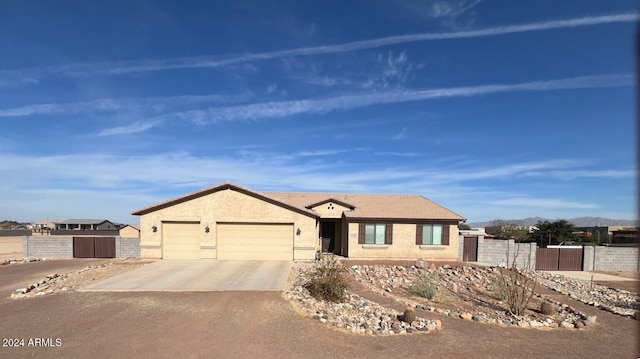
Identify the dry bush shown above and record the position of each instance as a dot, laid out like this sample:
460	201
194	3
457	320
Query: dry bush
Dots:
518	288
425	286
326	280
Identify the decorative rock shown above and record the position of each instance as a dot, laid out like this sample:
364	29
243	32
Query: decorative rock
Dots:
419	264
408	316
431	326
566	325
466	316
579	325
536	324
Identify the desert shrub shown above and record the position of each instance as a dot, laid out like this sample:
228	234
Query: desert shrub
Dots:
547	308
499	290
519	289
425	286
327	282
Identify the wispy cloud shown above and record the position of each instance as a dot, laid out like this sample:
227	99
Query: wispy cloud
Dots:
542	203
400	135
399	154
320	153
151	105
267	110
586	174
8	77
132	128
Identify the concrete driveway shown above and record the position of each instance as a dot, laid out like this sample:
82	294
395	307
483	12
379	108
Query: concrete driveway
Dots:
200	275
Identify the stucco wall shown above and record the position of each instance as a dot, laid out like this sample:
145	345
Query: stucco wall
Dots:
404	245
227	206
129	232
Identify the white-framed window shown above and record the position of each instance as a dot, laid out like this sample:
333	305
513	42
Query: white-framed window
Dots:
431	234
374	233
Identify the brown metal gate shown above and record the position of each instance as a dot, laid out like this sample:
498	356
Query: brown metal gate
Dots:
94	247
565	259
83	247
470	249
547	258
105	247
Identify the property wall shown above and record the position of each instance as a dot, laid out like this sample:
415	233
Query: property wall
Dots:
611	258
227	205
127	247
503	252
62	247
404	245
47	247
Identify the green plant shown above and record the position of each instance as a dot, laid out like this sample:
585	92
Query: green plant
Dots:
499	290
425	286
547	308
327	282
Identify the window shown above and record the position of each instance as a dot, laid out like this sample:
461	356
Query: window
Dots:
375	233
432	234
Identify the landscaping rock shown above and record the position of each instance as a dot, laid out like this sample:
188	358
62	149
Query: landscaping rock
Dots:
466	316
409	315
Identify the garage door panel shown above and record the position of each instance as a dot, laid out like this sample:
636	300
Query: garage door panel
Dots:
181	240
255	241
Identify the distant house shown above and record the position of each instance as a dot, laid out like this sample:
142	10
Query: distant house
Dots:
130	231
476	233
87	225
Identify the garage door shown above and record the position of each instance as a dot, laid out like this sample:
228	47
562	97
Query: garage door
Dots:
240	241
181	240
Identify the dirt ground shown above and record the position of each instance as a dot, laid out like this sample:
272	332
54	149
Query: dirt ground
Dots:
261	324
10	247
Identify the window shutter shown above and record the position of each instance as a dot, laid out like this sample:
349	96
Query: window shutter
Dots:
418	234
445	234
388	235
361	233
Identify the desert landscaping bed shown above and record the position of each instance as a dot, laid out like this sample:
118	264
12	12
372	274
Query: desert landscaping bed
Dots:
468	293
71	281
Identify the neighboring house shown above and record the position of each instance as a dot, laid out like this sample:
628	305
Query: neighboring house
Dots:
87	225
476	233
129	231
228	221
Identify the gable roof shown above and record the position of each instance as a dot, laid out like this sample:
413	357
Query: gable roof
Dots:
365	206
332	200
374	206
84	221
220	187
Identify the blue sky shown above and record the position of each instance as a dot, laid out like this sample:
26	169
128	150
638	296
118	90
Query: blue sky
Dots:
494	109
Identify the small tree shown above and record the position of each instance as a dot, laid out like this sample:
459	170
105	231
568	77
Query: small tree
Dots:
463	226
552	232
327	282
508	230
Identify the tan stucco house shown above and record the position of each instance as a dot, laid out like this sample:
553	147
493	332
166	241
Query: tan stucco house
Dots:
228	221
129	231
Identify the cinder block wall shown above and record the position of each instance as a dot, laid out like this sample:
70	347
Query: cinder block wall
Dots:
615	259
127	247
500	252
47	247
62	247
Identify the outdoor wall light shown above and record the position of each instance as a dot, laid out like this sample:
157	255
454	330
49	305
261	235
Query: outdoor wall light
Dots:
298	232
206	229
154	228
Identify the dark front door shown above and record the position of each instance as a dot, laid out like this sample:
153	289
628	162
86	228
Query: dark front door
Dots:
328	234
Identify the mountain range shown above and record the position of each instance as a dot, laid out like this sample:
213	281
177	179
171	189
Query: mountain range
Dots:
578	222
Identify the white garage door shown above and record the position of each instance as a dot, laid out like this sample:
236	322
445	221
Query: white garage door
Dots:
181	240
240	241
